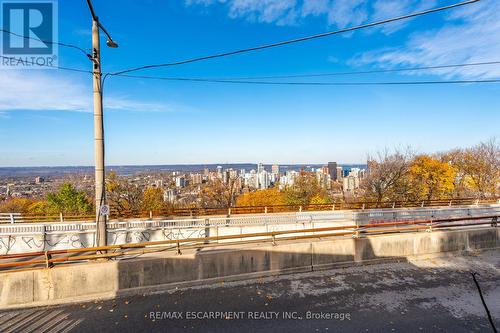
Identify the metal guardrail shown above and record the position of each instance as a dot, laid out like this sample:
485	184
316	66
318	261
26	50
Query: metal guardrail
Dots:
360	218
241	210
77	255
11	218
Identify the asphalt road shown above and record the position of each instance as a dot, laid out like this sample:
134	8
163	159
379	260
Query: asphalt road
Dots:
433	295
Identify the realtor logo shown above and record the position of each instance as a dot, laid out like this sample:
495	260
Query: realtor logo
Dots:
29	36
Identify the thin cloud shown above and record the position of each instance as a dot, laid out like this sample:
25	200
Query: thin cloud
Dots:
469	35
38	90
339	13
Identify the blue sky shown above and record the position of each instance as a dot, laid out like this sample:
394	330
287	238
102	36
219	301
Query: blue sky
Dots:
46	119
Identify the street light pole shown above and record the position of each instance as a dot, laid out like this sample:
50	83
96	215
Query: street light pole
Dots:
100	189
100	192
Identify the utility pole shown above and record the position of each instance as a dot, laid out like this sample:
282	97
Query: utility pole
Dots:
100	189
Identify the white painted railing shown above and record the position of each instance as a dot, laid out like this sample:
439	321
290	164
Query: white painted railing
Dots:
19	238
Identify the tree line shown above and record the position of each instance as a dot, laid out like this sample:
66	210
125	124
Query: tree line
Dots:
402	175
397	175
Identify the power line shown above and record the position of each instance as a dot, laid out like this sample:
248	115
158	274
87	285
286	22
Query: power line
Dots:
375	71
47	42
379	83
297	40
49	66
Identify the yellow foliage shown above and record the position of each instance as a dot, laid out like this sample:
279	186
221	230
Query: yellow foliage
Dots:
15	205
40	208
431	179
320	200
269	197
152	199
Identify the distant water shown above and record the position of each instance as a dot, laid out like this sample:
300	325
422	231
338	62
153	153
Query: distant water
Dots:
133	169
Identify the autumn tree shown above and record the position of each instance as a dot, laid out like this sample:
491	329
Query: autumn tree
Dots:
387	177
219	194
269	197
15	205
479	168
69	200
122	195
304	189
152	199
41	207
430	179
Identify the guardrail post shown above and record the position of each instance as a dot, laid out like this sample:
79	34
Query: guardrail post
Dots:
333	207
274	238
477	202
450	203
300	208
422	204
430	227
229	212
150	215
393	205
363	207
265	210
61	217
48	264
356	233
494	222
179	248
44	238
11	218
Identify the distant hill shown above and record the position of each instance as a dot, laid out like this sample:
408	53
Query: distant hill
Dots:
131	169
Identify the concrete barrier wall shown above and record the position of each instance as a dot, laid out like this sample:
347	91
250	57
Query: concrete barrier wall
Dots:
56	236
108	279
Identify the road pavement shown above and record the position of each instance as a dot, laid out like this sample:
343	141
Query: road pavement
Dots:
425	295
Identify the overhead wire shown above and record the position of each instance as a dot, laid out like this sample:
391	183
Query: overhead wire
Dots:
296	40
72	46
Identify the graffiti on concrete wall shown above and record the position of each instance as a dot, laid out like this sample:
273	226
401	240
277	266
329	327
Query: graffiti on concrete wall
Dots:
123	237
6	243
175	234
30	243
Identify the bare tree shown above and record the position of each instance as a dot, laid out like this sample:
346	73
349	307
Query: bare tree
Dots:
386	179
479	167
122	195
219	193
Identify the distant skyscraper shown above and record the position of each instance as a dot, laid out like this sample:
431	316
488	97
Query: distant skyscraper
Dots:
196	178
226	175
350	183
263	179
180	182
339	173
332	170
260	168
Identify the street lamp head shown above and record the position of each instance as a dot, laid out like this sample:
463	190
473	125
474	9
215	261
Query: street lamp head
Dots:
111	43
